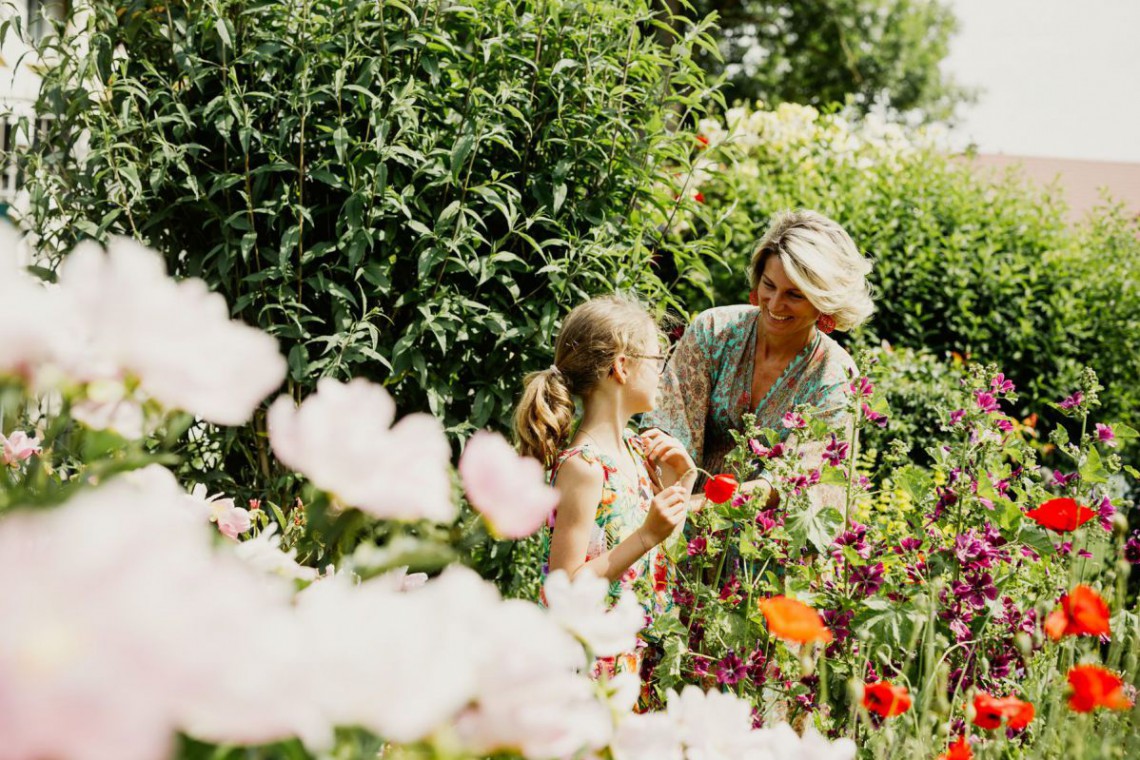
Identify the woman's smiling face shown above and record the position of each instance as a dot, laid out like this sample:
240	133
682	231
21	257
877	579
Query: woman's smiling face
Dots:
785	310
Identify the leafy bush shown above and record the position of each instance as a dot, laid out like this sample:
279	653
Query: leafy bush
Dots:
412	192
985	269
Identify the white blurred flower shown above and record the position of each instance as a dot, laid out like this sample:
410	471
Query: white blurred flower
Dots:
175	338
508	490
647	736
343	440
579	606
264	552
715	726
129	632
532	696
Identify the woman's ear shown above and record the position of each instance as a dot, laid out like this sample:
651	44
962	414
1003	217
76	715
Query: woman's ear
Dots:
619	370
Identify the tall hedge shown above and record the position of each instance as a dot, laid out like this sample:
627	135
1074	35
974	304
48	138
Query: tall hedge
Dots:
984	267
408	190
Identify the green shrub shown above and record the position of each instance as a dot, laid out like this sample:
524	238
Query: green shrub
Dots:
985	269
408	191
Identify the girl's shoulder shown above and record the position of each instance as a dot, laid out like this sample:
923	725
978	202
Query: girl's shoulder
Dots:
585	454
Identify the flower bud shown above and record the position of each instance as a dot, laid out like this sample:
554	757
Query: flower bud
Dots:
1119	525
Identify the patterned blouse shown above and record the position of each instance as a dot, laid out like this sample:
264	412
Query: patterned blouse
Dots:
621	511
707	387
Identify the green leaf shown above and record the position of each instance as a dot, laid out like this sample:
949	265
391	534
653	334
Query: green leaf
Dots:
818	525
1092	471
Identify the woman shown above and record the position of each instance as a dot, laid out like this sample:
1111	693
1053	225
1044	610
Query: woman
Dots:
807	278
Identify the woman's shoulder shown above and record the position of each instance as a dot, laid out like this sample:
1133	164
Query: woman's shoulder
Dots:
724	319
835	362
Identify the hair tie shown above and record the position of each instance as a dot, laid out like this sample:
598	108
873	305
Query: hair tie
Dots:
554	368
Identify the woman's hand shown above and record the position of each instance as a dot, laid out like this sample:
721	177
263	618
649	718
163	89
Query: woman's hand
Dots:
666	512
662	449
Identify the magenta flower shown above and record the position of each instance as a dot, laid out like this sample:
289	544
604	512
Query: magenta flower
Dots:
956	416
1132	548
1004	425
1105	435
986	402
18	447
697	546
764	452
1000	385
874	417
835	452
793	421
867	579
730	670
862	387
1073	401
1106	511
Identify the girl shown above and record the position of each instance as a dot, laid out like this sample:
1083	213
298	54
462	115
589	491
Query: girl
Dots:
616	505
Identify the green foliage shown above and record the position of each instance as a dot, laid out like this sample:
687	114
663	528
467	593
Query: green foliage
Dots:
410	192
871	53
983	267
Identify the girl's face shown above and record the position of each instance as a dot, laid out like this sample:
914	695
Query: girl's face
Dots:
785	311
644	367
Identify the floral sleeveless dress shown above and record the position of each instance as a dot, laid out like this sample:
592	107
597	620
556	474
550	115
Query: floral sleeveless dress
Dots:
621	511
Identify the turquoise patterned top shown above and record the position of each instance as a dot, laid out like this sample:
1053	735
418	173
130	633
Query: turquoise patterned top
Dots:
707	387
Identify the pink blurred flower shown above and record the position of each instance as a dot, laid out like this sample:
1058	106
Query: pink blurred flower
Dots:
1105	434
508	490
18	447
794	421
343	440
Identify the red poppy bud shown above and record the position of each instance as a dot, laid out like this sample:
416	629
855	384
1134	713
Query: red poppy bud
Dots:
721	488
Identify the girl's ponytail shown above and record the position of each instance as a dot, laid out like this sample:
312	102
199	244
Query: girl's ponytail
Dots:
544	416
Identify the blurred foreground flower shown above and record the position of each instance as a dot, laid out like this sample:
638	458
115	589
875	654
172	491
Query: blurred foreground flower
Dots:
343	440
1082	613
792	620
1094	687
508	490
579	606
886	699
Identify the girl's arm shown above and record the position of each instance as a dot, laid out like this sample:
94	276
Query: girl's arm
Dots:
579	484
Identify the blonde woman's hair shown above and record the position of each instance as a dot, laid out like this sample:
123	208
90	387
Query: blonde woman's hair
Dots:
593	335
822	261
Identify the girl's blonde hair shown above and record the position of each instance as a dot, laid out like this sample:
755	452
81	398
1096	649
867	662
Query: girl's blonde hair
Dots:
823	262
593	335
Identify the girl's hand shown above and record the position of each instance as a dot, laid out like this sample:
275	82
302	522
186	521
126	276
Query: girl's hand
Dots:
666	512
662	449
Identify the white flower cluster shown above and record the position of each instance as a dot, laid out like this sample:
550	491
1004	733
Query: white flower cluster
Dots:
122	336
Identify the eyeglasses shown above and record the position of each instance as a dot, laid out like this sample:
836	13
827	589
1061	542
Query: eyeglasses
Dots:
662	360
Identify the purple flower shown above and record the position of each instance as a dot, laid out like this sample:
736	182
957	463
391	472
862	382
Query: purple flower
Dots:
1000	385
764	452
856	538
730	670
974	550
757	666
1004	425
986	402
1085	553
766	519
793	421
1064	548
835	452
683	597
730	590
1105	435
698	545
1106	512
1030	553
874	417
862	387
956	416
1072	402
1061	480
700	667
801	482
910	544
867	579
1132	548
960	630
975	588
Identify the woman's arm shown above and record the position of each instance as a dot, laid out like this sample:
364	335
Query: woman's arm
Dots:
579	484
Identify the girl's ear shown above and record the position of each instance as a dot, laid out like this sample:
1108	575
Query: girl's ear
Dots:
619	370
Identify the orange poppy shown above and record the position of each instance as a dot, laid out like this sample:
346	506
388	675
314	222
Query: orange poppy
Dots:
1094	687
1062	515
958	750
885	699
990	711
792	620
1082	613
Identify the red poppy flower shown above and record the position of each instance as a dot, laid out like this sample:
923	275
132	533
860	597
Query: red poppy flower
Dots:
1094	687
1062	515
699	197
990	711
959	750
721	488
885	699
792	620
1082	613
